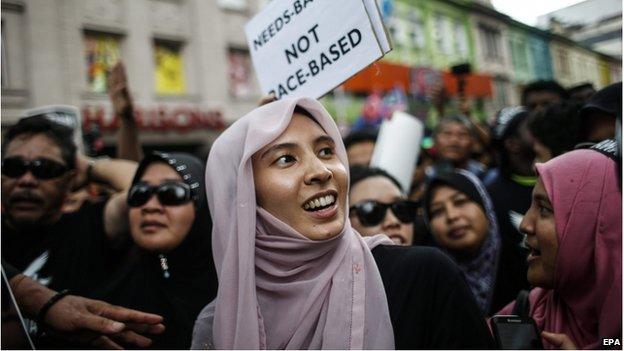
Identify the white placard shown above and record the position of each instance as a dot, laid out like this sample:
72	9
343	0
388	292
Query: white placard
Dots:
398	147
378	26
308	47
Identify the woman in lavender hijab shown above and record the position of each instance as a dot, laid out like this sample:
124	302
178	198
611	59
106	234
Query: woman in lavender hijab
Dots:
292	271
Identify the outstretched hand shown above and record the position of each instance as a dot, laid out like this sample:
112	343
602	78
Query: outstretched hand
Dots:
99	324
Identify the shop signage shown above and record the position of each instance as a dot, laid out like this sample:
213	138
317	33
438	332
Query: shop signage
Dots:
159	118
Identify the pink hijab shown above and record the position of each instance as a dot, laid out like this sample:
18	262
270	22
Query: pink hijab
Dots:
278	289
586	302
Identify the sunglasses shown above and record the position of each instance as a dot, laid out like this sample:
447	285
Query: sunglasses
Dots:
169	194
41	168
371	212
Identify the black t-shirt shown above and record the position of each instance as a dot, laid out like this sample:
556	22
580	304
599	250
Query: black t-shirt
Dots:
511	201
430	305
73	253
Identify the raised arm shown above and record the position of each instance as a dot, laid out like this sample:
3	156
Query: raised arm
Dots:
128	145
117	174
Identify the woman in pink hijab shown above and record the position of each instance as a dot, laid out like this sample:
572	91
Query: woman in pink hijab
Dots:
292	272
574	234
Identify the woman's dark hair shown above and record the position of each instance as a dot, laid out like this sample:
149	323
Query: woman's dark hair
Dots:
544	85
60	134
303	111
557	126
358	136
359	173
454	119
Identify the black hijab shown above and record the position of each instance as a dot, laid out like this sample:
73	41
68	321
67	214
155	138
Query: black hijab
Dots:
480	271
176	284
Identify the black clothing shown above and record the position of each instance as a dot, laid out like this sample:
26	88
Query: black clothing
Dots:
511	201
430	304
141	285
175	284
79	255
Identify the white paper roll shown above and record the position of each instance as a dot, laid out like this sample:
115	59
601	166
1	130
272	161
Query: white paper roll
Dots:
398	147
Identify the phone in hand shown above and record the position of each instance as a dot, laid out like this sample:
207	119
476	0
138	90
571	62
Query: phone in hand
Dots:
516	333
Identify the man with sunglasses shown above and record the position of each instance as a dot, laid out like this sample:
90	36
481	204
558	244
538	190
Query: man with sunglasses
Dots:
61	251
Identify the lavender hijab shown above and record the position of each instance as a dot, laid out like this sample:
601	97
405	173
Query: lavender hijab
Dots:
277	288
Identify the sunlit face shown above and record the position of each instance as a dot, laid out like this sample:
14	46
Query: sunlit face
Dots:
155	227
454	142
28	200
539	226
457	223
360	153
380	189
300	180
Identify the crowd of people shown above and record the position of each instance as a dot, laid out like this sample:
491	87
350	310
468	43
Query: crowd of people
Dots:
287	237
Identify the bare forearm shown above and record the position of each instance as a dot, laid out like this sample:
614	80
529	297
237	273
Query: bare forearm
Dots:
29	294
128	146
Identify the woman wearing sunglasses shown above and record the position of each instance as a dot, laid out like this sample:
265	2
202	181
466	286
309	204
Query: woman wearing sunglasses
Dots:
462	222
379	206
293	274
170	270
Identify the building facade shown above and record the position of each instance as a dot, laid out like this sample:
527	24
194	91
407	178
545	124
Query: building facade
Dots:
186	61
594	23
190	73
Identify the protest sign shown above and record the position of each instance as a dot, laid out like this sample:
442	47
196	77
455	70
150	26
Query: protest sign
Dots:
68	116
308	47
376	20
398	147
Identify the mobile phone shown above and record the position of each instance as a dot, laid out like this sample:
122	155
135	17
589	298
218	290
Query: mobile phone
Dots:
516	333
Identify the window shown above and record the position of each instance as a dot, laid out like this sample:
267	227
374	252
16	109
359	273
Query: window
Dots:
441	34
240	74
461	42
402	36
500	88
101	54
490	38
519	54
523	52
169	68
392	29
564	63
416	29
398	30
13	50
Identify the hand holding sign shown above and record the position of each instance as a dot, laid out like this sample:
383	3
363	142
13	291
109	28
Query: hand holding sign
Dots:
308	47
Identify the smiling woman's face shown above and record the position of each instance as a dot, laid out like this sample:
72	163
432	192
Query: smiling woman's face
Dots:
300	180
